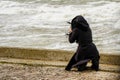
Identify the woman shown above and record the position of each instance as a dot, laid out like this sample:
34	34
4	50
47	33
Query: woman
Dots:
80	33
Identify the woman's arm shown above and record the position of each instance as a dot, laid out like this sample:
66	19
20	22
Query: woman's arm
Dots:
73	35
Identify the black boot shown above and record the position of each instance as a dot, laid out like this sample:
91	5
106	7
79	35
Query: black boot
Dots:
95	64
95	67
68	68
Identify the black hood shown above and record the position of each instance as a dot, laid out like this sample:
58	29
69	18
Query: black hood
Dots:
79	22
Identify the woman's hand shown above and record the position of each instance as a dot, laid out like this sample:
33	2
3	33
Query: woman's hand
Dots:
70	30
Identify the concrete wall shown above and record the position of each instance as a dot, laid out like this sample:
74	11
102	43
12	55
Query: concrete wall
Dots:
44	54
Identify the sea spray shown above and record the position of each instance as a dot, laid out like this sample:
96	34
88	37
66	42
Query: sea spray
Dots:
42	23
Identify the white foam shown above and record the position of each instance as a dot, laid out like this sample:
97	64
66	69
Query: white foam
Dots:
8	7
52	14
63	46
18	18
117	24
105	12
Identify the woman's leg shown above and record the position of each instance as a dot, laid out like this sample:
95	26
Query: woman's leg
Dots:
71	62
81	57
95	63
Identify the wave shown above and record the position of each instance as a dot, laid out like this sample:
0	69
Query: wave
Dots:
42	23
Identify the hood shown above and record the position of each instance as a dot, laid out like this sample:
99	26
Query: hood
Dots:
79	22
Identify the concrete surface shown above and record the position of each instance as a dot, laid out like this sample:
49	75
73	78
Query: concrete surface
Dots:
41	64
26	72
51	55
103	67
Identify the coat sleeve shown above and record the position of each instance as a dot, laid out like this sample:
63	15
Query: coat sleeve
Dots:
73	36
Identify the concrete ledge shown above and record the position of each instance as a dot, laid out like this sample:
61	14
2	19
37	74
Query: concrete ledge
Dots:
50	55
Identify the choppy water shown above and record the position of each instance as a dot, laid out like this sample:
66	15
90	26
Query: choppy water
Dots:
42	23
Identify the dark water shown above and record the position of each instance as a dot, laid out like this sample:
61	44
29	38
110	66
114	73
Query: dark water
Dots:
42	23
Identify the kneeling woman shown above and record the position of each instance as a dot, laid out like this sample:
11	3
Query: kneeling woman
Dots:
81	33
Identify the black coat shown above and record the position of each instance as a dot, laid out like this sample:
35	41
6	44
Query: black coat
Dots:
86	48
82	35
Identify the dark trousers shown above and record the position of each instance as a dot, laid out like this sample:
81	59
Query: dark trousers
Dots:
71	62
74	61
90	52
95	64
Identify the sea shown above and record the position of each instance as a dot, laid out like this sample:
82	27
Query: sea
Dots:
42	24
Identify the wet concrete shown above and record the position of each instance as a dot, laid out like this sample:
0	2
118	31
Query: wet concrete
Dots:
51	55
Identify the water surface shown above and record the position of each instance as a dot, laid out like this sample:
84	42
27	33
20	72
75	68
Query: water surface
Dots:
42	23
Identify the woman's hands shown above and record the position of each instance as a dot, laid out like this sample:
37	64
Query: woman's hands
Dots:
70	30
